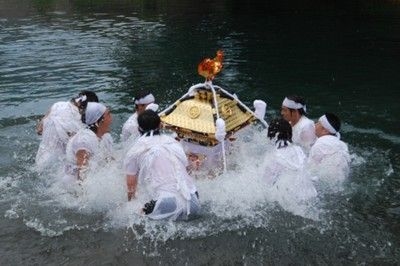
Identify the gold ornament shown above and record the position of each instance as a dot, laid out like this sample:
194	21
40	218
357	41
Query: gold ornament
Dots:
194	112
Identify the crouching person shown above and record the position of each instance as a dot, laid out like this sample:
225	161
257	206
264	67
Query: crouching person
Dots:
158	163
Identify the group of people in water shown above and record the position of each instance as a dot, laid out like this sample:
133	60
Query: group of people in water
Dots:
77	134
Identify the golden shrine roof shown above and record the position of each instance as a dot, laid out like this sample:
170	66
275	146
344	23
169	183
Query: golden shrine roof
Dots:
193	116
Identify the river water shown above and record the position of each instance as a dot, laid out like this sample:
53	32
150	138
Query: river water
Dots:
343	57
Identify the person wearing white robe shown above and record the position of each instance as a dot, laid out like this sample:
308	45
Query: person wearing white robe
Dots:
329	156
283	167
157	163
303	131
61	122
130	129
90	145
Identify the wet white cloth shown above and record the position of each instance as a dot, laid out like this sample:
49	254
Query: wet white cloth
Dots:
283	171
211	155
329	158
220	132
293	105
130	129
160	164
99	150
303	133
149	98
62	121
260	108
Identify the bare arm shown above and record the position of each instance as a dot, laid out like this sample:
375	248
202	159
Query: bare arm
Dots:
82	158
131	182
39	125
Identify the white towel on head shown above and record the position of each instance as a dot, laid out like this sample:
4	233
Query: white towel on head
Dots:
93	112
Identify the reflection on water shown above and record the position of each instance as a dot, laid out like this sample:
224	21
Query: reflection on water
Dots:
345	62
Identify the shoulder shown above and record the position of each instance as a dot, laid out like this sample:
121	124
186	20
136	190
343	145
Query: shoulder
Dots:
330	141
84	134
83	139
59	106
132	120
61	103
306	121
133	117
167	138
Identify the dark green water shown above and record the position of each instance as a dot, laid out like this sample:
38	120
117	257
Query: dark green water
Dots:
343	57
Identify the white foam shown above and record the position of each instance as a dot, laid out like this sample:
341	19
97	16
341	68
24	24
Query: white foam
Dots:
232	201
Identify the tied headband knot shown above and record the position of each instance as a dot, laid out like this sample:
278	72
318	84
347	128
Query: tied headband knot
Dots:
293	105
145	100
149	133
81	98
325	123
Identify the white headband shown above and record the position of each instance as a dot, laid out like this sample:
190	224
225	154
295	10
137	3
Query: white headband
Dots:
149	98
93	112
325	123
293	105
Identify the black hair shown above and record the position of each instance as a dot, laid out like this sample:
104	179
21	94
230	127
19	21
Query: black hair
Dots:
148	120
90	97
141	94
298	99
333	120
281	129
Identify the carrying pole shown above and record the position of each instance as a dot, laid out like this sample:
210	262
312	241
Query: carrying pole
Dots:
209	83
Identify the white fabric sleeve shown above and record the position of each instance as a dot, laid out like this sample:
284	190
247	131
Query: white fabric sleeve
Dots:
107	144
316	154
84	140
131	166
307	134
125	131
130	128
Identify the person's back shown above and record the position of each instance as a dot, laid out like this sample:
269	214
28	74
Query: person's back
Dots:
284	161
61	122
283	167
163	163
331	155
158	163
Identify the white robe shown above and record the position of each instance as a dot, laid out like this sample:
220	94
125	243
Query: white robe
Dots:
288	182
62	121
329	158
160	163
303	133
211	156
130	129
99	150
